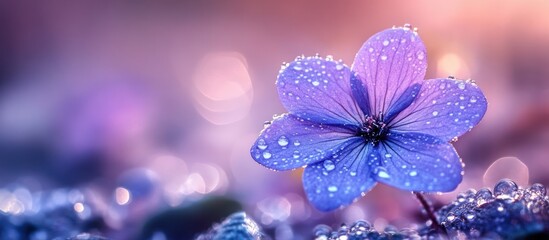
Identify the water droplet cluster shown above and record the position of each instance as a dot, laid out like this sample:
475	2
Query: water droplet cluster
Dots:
361	230
509	211
56	214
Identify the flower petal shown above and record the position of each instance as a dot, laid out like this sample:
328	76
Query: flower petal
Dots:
389	63
338	181
319	90
445	108
289	143
418	162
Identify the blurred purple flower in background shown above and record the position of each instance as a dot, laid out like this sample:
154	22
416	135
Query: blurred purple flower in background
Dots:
377	121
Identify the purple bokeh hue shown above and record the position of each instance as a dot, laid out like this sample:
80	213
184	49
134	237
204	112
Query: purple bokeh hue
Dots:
91	90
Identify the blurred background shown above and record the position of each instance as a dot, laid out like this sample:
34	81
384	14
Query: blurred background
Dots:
136	118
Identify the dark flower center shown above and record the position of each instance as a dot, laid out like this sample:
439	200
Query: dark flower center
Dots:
373	130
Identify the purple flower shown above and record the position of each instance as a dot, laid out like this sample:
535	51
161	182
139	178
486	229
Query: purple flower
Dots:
377	121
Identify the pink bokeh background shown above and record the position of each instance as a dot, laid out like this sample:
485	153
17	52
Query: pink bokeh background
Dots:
93	90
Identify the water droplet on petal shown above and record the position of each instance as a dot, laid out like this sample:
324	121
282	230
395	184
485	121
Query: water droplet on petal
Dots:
382	172
435	113
385	43
282	141
298	67
267	155
461	85
413	173
297	143
332	188
261	144
339	67
296	154
420	55
329	165
352	173
388	155
383	57
315	82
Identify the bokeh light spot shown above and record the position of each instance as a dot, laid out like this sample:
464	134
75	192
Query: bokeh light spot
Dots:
122	196
506	167
223	88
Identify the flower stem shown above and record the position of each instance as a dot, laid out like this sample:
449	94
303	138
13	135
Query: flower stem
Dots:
430	213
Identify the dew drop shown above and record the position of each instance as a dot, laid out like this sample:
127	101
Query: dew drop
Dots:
329	165
413	173
483	196
385	43
296	154
461	85
473	99
297	143
538	189
267	155
261	144
388	155
361	225
282	141
298	68
322	231
339	67
505	188
315	82
420	55
383	57
435	113
352	173
332	189
500	208
451	218
370	49
382	172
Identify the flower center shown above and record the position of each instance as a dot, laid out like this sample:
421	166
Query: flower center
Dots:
373	130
